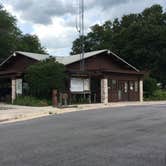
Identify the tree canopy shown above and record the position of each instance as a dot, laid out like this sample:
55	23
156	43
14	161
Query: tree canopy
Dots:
45	76
12	39
138	38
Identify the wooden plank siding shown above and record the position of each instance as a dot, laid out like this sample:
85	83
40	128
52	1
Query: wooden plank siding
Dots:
112	69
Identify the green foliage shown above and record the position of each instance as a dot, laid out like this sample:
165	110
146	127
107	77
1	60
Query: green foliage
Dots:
12	39
157	96
45	76
30	101
150	86
138	38
30	43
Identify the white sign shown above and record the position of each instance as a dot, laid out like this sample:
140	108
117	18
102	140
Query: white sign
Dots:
79	85
86	84
19	86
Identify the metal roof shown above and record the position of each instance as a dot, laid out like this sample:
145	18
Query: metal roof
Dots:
66	60
35	56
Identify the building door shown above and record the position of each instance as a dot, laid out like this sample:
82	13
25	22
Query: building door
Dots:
133	91
113	90
5	90
95	90
123	90
118	90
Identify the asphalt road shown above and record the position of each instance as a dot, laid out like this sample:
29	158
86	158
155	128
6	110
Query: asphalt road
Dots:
128	136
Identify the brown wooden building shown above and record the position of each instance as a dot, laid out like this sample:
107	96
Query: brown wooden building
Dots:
106	77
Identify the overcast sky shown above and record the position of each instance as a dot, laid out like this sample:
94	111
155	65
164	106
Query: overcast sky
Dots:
53	21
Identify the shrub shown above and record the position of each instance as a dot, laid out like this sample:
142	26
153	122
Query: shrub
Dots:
157	95
45	76
30	101
150	86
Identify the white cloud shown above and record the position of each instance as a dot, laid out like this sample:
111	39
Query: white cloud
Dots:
54	20
55	36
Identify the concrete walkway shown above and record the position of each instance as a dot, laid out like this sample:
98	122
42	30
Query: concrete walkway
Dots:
12	113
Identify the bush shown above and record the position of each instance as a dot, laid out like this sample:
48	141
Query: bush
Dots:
45	76
157	95
150	86
30	101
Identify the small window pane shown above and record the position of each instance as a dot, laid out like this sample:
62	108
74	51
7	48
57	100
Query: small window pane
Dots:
126	87
113	84
131	86
109	83
136	86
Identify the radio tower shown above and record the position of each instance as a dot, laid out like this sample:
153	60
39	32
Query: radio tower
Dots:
80	29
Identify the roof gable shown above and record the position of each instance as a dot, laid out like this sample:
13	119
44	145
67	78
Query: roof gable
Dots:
66	60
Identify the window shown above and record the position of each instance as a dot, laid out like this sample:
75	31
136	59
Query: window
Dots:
109	83
131	86
136	86
114	84
126	87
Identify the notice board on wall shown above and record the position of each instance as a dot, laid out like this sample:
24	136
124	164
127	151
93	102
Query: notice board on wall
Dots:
18	86
79	84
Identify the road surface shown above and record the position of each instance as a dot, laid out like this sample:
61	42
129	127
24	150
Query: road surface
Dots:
126	136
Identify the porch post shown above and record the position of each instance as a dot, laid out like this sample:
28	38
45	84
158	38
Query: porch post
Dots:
141	90
104	90
13	95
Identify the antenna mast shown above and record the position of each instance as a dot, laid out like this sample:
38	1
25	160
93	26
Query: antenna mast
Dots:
80	29
82	34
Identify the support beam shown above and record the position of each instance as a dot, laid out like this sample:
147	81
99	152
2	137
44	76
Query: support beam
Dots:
13	95
104	90
141	90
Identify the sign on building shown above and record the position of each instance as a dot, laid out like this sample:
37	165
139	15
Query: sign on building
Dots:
79	85
19	86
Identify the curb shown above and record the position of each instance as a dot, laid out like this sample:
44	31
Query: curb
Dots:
53	111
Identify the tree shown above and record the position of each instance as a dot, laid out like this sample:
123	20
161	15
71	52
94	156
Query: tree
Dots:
30	43
138	38
99	38
9	33
12	39
45	76
150	86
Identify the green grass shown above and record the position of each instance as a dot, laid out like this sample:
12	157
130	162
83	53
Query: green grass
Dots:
159	95
30	101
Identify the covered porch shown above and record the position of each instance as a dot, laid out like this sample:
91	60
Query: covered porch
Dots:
10	85
106	86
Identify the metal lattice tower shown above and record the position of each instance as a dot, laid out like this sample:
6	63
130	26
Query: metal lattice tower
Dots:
81	30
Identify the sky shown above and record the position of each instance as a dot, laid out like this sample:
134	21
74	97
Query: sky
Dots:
54	21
